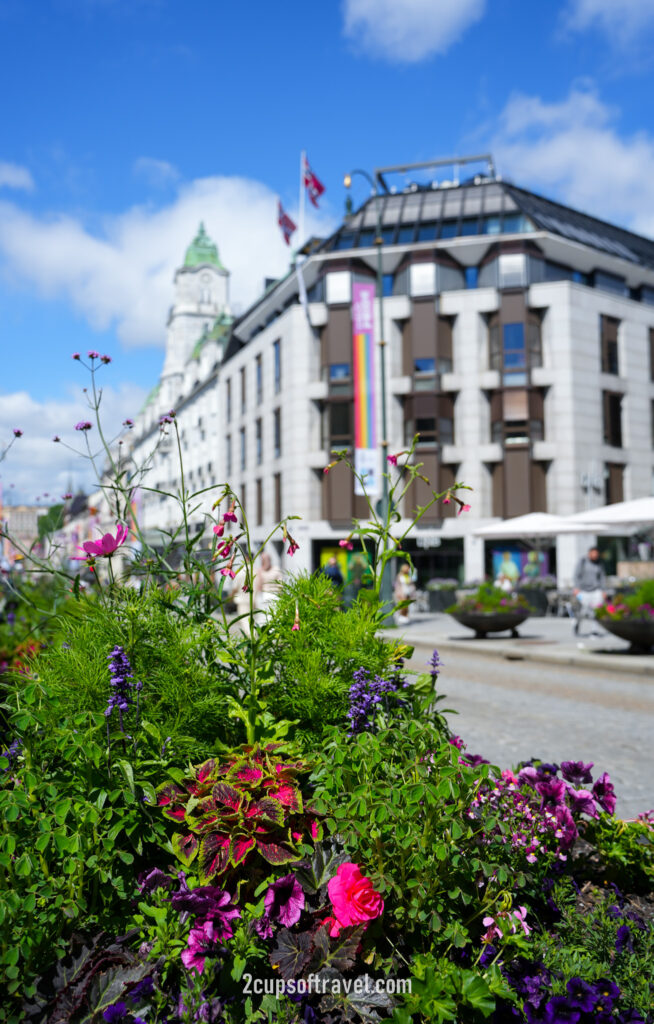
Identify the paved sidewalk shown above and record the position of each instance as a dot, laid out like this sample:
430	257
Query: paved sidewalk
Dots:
549	640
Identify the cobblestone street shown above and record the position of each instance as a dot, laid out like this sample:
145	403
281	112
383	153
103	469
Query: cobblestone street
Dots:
510	710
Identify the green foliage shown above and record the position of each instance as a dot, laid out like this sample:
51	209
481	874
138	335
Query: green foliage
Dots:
186	673
313	665
74	833
584	943
441	991
489	598
623	852
51	521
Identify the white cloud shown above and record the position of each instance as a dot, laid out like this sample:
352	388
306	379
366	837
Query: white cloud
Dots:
122	277
14	176
35	465
408	30
572	149
157	173
621	20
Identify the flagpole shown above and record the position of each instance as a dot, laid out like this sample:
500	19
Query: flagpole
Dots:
302	201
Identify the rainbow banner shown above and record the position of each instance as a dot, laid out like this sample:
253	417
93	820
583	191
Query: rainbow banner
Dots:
366	456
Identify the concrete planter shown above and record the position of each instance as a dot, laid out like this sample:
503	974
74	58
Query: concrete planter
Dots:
537	598
439	600
639	633
492	622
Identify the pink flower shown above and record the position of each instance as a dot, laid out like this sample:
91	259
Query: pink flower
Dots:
392	460
353	898
333	925
219	529
230	516
105	359
296	624
104	547
227	571
76	355
464	508
128	423
199	944
447	501
56	438
93	354
520	915
293	545
17	432
83	425
347	543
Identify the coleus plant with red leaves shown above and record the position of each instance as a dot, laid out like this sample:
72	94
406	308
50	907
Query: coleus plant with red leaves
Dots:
238	807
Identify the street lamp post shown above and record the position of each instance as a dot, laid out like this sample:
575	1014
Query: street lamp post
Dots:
385	589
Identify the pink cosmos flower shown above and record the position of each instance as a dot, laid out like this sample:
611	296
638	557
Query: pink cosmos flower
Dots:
353	898
105	547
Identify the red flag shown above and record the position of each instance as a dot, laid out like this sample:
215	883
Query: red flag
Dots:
287	225
313	185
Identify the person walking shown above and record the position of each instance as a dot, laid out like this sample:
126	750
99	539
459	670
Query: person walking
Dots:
404	590
589	587
333	572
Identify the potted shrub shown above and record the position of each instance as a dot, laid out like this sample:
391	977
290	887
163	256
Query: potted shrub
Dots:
631	617
490	610
441	592
535	591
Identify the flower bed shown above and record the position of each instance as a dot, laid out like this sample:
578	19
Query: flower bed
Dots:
206	824
631	617
490	610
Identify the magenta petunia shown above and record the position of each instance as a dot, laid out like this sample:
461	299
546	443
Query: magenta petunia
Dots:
284	901
604	793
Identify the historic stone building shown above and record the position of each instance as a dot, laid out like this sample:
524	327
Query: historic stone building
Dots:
519	345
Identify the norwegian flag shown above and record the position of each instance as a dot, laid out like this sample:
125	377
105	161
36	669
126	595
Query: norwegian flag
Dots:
287	225
313	185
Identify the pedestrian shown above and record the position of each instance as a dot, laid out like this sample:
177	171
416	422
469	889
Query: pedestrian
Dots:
267	582
589	586
332	571
404	590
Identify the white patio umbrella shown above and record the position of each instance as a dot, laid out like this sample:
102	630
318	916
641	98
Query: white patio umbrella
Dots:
630	514
536	526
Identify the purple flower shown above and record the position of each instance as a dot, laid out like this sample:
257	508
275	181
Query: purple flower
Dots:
366	697
128	423
547	771
582	802
142	989
18	432
200	945
123	685
604	793
473	760
154	879
605	994
582	995
210	904
434	664
284	901
115	1013
263	927
623	939
576	771
75	355
83	425
92	354
552	792
559	1010
566	826
105	359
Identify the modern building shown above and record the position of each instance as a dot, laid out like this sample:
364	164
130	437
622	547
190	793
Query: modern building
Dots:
519	345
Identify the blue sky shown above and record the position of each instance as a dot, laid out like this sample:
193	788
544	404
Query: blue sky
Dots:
126	121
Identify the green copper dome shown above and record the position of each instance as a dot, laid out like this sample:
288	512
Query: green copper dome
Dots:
202	250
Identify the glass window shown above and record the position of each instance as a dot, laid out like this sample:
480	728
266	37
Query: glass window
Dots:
449	229
514	380
516	222
259	442
243	390
424	366
339	371
366	239
426	427
338	287
406	234
340	421
277	365
470	226
512	270
580	278
426	232
228	400
259	379
228	455
388	236
423	279
514	345
610	283
387	285
445	430
492	226
472	276
345	241
277	433
242	437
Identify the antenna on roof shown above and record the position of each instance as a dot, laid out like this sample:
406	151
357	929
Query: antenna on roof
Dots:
450	161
